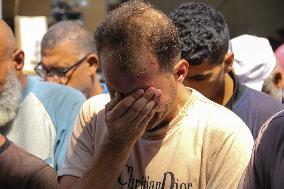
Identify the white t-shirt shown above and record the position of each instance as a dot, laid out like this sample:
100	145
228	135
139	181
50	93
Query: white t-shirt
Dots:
206	146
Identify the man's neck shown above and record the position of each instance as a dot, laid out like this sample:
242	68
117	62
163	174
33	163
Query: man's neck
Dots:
183	94
24	81
96	89
227	91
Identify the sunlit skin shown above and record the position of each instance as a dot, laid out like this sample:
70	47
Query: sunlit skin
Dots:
11	58
125	83
2	140
4	70
5	56
212	80
82	77
278	77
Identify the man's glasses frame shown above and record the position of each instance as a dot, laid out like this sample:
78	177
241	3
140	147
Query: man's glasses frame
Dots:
58	73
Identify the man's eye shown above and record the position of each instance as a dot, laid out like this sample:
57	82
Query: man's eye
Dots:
57	72
197	77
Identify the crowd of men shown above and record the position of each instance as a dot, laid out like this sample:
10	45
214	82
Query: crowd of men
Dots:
180	105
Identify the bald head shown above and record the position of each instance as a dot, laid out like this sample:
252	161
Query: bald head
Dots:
7	40
66	32
11	62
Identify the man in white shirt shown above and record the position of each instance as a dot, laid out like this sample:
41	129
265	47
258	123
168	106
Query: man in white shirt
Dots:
152	131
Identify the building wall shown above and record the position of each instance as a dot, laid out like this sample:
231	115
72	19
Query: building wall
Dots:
259	17
0	9
94	13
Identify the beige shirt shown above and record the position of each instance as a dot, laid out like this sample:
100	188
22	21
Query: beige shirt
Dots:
206	146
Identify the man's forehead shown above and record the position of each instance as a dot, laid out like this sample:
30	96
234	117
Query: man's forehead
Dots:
58	56
138	61
7	39
203	68
61	47
126	81
127	86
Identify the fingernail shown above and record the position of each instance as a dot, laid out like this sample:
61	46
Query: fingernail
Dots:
150	94
117	94
139	92
158	103
158	93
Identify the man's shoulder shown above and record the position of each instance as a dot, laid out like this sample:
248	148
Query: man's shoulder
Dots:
95	103
266	167
45	89
52	96
215	115
27	168
61	103
260	98
210	107
220	127
255	108
272	129
27	159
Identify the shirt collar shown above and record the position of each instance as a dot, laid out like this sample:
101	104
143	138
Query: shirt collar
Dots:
237	92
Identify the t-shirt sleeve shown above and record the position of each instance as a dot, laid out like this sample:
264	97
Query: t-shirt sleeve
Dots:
45	178
81	148
65	119
230	157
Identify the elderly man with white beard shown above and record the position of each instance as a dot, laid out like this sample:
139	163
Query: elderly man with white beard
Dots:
35	115
19	169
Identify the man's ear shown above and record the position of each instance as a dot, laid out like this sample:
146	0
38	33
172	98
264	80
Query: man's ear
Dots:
19	60
181	70
228	62
93	61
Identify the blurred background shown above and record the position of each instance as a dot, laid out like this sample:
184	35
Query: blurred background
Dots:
31	18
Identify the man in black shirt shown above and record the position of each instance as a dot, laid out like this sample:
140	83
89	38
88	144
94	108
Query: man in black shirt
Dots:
19	169
266	167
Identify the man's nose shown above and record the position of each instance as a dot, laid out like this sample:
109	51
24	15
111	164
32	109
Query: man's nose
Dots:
51	79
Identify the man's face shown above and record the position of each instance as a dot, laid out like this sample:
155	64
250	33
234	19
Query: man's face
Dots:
60	58
125	82
10	86
4	70
5	60
10	90
207	78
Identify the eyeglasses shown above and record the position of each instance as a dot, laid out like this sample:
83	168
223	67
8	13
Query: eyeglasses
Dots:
58	75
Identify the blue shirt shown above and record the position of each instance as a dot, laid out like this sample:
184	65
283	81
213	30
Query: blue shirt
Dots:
105	89
45	120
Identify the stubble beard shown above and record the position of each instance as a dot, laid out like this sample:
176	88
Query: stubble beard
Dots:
159	119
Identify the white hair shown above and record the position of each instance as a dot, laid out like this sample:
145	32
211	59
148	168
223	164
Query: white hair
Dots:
10	99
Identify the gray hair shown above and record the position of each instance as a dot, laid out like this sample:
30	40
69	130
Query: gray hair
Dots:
66	31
